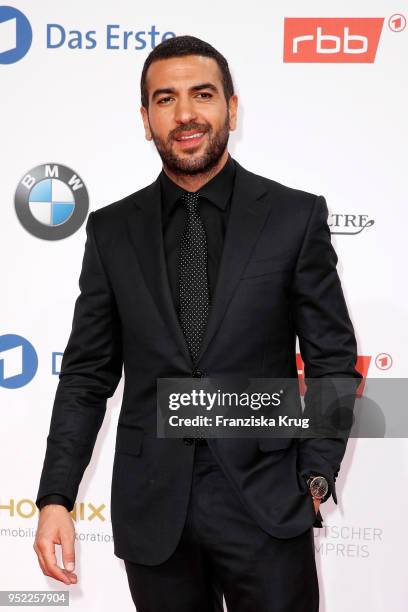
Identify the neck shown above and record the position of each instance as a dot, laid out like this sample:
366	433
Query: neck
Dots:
196	181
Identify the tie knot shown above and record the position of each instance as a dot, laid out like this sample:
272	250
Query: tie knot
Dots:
190	199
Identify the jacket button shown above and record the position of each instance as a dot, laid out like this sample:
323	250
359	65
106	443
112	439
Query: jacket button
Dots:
188	441
198	373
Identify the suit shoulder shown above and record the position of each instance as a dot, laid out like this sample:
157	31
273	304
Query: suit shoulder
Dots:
288	192
290	196
118	210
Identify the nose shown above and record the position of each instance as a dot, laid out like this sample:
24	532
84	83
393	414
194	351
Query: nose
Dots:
184	110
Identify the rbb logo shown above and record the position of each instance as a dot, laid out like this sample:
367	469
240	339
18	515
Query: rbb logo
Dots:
331	39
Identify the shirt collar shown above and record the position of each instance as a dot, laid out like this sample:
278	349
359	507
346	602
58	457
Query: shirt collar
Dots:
217	190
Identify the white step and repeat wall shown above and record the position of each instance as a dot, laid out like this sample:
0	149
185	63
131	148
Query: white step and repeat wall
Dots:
330	123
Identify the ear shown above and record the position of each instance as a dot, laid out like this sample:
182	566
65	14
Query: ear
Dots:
145	119
232	112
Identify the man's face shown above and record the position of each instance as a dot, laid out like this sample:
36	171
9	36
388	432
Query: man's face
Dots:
188	116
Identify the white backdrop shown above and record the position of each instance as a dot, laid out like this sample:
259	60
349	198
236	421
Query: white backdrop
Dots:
334	128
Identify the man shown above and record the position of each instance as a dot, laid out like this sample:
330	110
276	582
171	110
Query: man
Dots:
209	271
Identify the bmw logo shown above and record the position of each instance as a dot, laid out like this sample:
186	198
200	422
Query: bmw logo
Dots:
51	201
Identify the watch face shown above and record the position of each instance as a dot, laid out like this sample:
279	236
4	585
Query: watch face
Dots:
319	487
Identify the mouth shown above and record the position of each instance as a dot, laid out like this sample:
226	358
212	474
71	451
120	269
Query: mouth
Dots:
189	139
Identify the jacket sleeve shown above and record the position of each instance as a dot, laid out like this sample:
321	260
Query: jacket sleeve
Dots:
326	339
91	368
54	499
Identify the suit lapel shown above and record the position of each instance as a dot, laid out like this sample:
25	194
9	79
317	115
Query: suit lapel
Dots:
247	216
145	229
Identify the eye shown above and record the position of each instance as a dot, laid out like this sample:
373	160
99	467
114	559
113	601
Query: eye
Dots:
205	94
164	100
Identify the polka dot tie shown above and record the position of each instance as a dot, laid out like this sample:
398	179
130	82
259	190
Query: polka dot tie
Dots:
193	285
193	282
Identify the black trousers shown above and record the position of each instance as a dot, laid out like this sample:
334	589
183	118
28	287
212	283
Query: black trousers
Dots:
222	552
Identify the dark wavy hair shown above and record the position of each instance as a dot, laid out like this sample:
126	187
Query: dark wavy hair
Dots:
178	46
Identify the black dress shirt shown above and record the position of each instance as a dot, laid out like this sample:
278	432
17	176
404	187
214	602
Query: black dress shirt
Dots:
214	207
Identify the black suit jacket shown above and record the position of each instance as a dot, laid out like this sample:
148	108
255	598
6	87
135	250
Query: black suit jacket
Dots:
277	279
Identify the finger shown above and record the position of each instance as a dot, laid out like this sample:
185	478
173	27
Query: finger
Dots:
50	563
68	555
73	577
40	558
68	551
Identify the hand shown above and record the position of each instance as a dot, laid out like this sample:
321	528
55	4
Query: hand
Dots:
316	503
55	526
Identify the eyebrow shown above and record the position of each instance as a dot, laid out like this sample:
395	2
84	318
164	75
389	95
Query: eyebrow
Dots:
169	90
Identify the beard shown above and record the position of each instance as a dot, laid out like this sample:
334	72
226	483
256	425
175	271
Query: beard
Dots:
217	142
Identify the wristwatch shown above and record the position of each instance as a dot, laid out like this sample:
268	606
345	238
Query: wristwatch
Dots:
318	486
